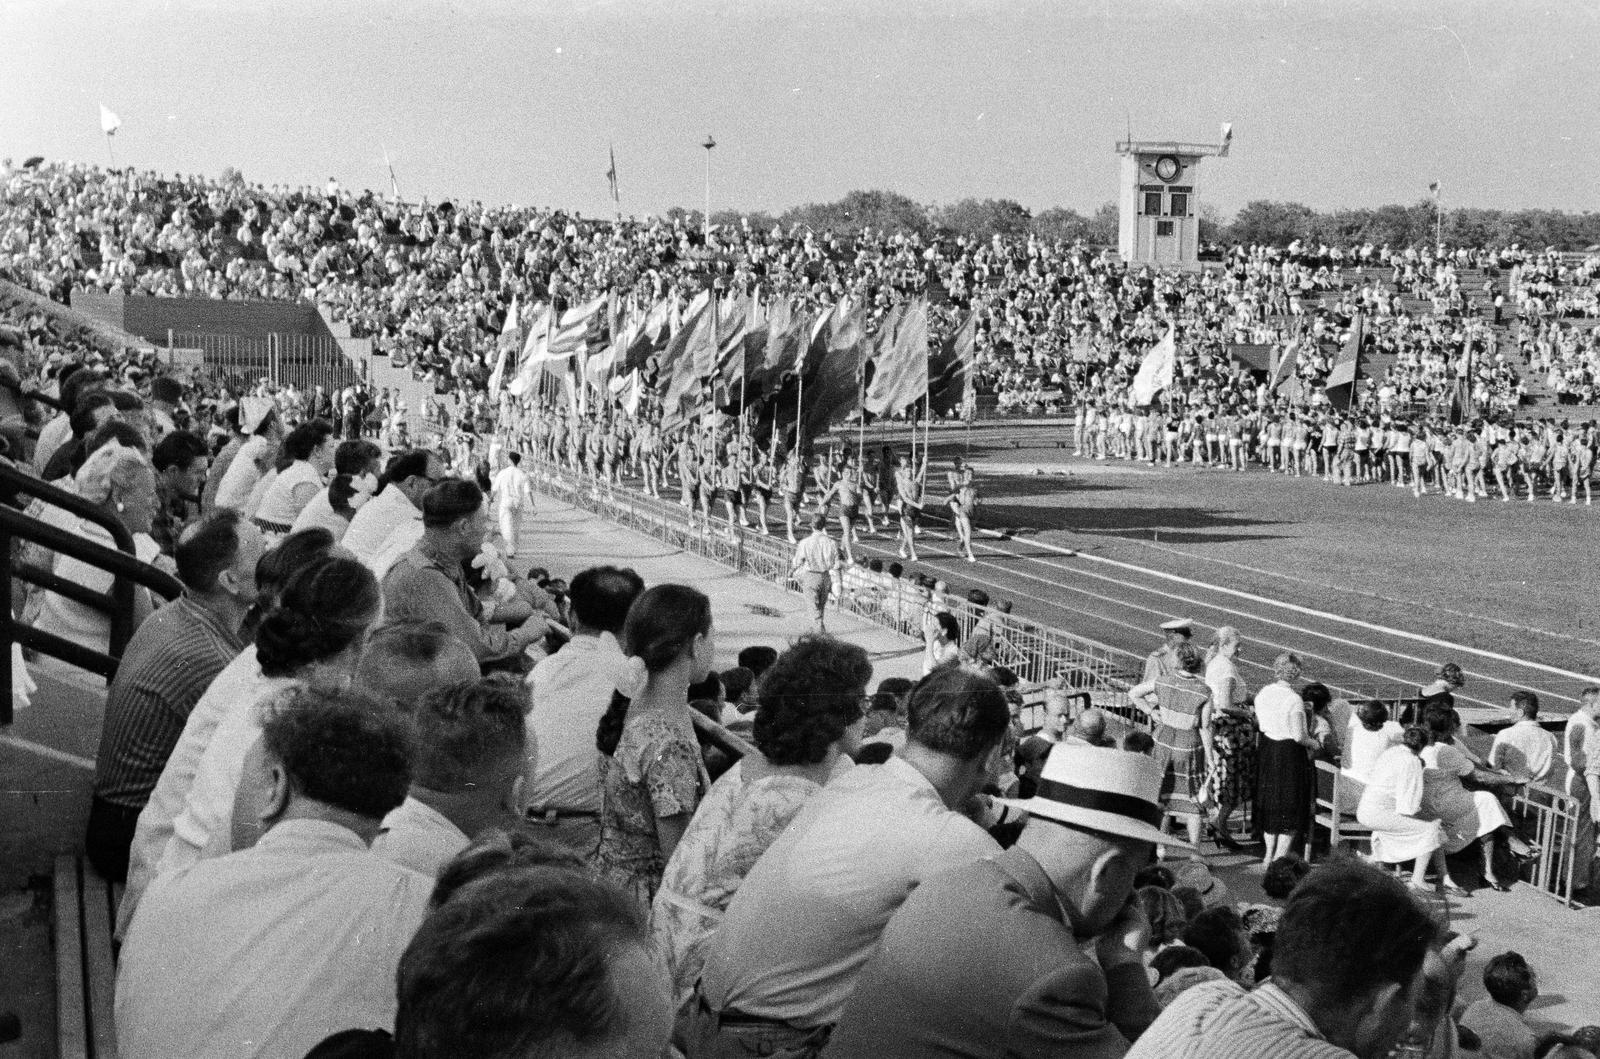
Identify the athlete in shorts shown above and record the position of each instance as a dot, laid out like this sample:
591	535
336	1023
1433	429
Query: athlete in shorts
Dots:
792	487
963	504
908	485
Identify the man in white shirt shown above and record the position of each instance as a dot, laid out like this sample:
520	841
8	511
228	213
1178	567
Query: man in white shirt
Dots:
1525	749
1581	747
809	914
571	690
512	496
470	750
815	564
390	524
267	951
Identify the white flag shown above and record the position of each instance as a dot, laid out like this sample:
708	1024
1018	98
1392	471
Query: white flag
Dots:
1155	371
508	336
109	122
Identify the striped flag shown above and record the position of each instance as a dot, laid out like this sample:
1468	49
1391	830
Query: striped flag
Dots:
569	337
527	367
508	332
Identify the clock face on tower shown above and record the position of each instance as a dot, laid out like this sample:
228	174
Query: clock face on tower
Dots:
1168	168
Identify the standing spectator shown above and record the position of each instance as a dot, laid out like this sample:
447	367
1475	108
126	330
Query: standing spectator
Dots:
1233	734
807	727
471	744
1581	750
1283	792
1179	702
1525	749
1164	659
1349	947
1498	1019
815	564
266	951
532	960
988	959
512	496
168	665
571	690
811	912
651	773
429	583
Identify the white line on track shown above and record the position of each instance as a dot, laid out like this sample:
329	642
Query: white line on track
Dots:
48	751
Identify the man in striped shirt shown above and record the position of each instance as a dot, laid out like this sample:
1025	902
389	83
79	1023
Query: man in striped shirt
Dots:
169	663
1347	972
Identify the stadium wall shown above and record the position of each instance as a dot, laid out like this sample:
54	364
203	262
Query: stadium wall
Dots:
151	317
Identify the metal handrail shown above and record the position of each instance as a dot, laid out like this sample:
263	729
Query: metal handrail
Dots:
121	562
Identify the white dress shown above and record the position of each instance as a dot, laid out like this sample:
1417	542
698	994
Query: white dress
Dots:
1466	815
1390	806
1361	752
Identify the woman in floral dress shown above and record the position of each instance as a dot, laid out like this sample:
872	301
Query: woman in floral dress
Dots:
807	727
651	772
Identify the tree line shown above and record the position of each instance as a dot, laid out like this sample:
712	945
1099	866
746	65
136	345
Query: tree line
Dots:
1260	221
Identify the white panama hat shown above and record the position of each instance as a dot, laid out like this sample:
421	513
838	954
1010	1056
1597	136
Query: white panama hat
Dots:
1116	792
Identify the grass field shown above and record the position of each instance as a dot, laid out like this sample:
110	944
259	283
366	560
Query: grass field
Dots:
1516	578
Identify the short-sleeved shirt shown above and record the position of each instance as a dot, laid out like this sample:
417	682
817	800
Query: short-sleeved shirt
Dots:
811	911
1525	750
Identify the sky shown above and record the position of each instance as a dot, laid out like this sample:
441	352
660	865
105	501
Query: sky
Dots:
1333	103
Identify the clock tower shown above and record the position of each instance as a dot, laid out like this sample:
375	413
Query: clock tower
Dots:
1160	205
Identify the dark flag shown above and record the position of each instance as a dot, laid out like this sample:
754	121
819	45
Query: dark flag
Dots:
900	359
1346	367
679	363
832	371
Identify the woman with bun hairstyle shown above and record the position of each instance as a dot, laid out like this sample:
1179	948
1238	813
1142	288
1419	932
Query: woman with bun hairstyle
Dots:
312	637
356	467
651	773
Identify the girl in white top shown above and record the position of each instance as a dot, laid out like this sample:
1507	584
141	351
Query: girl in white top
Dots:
941	640
356	466
308	452
1369	735
1392	806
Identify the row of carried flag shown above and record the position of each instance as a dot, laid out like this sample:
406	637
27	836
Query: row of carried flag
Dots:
738	351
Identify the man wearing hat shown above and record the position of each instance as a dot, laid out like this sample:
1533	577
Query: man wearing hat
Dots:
1163	661
988	959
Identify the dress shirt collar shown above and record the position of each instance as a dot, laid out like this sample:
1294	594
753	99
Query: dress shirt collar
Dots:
311	838
1271	997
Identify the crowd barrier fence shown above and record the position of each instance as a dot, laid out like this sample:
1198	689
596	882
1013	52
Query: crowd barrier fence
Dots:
1036	653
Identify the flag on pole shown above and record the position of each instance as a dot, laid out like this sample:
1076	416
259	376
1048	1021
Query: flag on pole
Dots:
1346	365
109	122
678	376
900	359
833	369
508	333
527	368
611	176
1434	187
394	185
1286	363
1156	370
1227	138
733	327
950	368
570	336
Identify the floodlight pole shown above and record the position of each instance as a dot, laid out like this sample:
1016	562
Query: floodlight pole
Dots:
708	145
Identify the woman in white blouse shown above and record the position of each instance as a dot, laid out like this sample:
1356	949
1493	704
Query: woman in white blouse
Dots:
1283	790
1391	805
941	640
1369	735
304	465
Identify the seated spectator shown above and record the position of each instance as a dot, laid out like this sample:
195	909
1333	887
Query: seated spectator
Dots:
1498	1019
240	681
571	690
987	959
806	728
532	960
1525	750
1219	933
1283	875
429	582
92	410
304	461
1350	946
941	639
1139	741
61	430
314	636
471	747
1089	729
180	462
391	524
758	658
810	913
1168	967
651	774
738	694
245	475
266	951
356	465
121	482
166	668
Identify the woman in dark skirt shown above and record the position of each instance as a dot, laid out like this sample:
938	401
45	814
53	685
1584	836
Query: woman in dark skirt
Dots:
1180	705
1283	760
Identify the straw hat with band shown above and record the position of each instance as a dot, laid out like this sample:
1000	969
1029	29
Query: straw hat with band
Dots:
1115	792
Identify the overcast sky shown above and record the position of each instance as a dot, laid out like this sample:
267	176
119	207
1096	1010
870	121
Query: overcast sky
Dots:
1333	103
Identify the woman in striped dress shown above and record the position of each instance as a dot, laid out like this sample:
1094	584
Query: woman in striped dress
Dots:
1180	705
